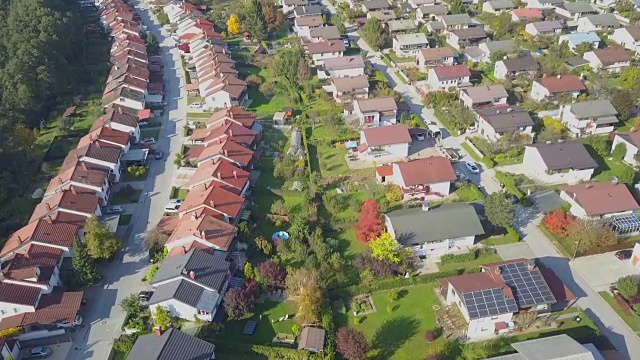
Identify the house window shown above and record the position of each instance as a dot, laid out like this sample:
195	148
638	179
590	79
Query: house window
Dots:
2	312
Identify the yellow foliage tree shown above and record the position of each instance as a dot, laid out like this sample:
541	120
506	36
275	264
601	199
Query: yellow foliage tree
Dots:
553	124
233	25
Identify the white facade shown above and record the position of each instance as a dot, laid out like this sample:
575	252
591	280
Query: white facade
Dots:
468	101
424	64
577	210
488	132
534	163
434	250
318	59
122	101
531	29
622	37
219	99
632	150
443	187
540	4
182	310
596	64
438	84
9	309
386	153
582	126
133	131
539	92
338	73
408	50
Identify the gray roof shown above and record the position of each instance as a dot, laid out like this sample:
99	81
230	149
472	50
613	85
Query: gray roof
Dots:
416	226
187	293
593	108
456	19
525	63
434	9
400	25
578	7
484	93
437	25
559	347
307	10
544	26
501	4
500	45
345	62
506	118
608	20
565	155
325	32
412	39
171	345
209	271
576	61
376	4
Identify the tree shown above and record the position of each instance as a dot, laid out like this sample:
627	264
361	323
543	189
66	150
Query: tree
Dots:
374	34
154	241
585	234
625	174
500	209
101	241
352	344
153	47
233	25
630	77
304	285
253	21
131	305
627	287
599	144
290	71
558	222
84	268
456	7
136	171
553	125
619	151
265	245
279	208
583	48
238	303
370	225
274	18
249	273
384	247
271	274
394	193
624	102
162	318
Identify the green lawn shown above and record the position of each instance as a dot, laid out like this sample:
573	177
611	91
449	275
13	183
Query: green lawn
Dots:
198	115
118	199
633	324
191	100
118	355
263	106
399	334
125	219
150	132
469	192
558	241
607	168
265	330
485	259
177	193
399	59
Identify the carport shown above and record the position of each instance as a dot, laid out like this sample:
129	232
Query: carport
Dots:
134	156
547	201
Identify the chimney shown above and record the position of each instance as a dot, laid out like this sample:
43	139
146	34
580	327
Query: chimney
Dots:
230	133
226	153
219	175
119	110
202	234
84	166
194	216
425	206
559	76
230	113
73	190
212	203
235	174
531	265
158	331
192	275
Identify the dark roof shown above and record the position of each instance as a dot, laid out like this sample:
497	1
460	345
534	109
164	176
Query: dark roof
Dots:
209	270
376	4
311	338
565	155
525	63
470	33
506	118
187	293
172	345
416	226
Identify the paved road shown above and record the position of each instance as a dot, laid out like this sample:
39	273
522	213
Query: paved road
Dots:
102	315
620	335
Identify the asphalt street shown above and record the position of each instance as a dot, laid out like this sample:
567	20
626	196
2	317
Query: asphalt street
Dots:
102	315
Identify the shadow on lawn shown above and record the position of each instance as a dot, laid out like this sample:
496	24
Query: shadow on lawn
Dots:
392	335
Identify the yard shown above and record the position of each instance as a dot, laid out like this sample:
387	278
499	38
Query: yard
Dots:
267	315
177	193
607	168
474	264
150	133
628	319
263	106
469	192
120	198
327	158
127	176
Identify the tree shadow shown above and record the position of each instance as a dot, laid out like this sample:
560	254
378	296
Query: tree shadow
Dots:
392	335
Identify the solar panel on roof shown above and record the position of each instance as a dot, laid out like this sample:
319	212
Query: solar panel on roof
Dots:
529	287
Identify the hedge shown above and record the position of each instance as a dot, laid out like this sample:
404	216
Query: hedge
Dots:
457	258
623	304
271	352
306	150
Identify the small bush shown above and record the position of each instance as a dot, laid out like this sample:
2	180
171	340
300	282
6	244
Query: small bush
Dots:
430	336
627	287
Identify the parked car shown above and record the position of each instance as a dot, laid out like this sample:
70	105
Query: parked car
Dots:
624	254
145	295
472	167
114	210
41	352
173	206
420	136
195	105
67	324
158	155
148	141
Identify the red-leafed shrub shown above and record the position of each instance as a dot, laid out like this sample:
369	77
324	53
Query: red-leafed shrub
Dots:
370	226
558	222
623	304
635	299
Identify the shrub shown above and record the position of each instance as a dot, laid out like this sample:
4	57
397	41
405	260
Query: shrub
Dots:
619	151
457	258
394	296
627	287
635	299
623	304
125	343
430	336
601	145
558	222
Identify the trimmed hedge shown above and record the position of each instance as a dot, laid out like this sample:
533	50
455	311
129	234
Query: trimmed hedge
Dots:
271	352
457	258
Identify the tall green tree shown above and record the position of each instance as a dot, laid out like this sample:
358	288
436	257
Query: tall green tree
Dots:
456	7
253	20
500	209
101	241
85	269
374	34
290	71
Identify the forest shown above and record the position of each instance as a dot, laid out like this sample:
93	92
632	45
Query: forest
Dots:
42	67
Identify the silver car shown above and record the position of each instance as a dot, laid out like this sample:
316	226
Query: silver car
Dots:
39	353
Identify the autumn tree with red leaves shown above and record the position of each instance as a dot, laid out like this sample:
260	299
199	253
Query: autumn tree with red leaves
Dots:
351	344
370	226
558	222
271	274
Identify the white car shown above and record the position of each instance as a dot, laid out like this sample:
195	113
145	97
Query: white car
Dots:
195	105
472	167
67	324
173	206
148	141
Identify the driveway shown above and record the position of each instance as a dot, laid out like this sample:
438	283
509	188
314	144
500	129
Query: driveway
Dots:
515	251
602	270
103	316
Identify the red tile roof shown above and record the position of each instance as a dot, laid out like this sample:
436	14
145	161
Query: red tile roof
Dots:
527	13
228	149
105	134
386	170
387	135
55	308
83	173
223	130
601	198
19	294
205	225
74	199
59	229
612	55
234	113
324	47
429	170
222	171
437	53
213	196
23	265
451	72
472	282
562	83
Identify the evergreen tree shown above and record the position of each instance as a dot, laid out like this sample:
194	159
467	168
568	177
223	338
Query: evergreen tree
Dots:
253	21
101	241
85	269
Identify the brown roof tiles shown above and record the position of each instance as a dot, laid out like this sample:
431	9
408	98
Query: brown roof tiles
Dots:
601	198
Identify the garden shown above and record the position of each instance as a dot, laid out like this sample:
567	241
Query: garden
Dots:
624	299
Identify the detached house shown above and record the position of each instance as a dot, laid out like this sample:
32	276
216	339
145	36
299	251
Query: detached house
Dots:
589	117
561	162
408	45
375	5
558	347
456	21
382	15
556	85
385	143
631	141
509	68
526	14
224	91
544	4
575	39
483	96
303	25
191	285
628	37
574	11
445	77
431	12
325	33
428	232
346	66
442	56
289	5
307	10
612	59
460	39
376	112
321	51
601	22
551	27
486	50
500	120
599	200
419	179
350	88
489	299
164	345
497	6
